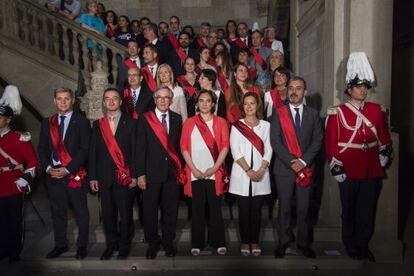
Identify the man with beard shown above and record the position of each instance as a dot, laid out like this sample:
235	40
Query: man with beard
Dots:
296	137
178	55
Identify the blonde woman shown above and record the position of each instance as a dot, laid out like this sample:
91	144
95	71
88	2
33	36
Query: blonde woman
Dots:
165	77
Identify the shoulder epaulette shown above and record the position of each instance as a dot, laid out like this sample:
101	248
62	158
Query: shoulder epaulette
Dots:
25	136
332	110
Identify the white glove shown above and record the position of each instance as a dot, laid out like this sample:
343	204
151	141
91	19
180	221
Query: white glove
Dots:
383	160
21	183
340	177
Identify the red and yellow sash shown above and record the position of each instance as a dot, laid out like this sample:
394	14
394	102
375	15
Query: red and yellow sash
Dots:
123	173
63	154
162	136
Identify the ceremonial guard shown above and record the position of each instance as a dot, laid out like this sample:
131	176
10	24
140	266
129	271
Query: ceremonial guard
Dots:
358	147
18	163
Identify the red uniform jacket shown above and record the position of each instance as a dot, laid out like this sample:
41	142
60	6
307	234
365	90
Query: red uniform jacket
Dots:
221	135
357	163
23	153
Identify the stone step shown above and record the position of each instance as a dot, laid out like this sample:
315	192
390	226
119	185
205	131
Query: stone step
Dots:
329	256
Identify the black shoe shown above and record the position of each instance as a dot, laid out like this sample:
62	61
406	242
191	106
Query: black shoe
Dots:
352	253
107	254
170	251
56	252
151	253
367	255
123	254
280	251
307	251
13	260
81	253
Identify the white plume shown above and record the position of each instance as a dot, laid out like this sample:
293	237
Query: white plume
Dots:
358	64
255	26
11	97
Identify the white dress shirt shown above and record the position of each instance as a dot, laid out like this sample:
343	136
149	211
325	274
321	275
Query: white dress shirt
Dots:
154	70
167	118
241	147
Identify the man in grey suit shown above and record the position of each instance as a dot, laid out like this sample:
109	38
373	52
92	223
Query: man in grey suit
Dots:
308	130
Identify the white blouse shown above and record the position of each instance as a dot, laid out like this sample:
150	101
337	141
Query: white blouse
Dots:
200	154
241	147
268	104
179	104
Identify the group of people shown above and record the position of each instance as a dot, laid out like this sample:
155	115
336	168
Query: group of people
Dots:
215	132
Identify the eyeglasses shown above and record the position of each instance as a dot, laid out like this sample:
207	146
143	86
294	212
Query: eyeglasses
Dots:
163	98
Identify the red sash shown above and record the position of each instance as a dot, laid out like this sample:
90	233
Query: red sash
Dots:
200	42
130	104
212	146
304	177
222	80
212	62
123	173
75	181
238	42
252	73
130	64
110	32
173	40
258	58
250	135
267	43
191	90
152	84
162	136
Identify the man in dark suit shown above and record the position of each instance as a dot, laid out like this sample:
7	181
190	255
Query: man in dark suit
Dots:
243	41
151	37
133	60
64	168
307	131
117	193
157	172
175	61
136	98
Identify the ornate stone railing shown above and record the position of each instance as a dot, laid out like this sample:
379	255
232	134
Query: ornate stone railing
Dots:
56	42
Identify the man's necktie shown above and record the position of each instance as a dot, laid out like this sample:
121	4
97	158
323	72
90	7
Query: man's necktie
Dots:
112	124
164	121
134	97
152	71
297	120
61	132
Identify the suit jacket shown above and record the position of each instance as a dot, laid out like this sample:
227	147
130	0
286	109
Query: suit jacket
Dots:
144	103
153	160
101	165
176	64
76	140
310	141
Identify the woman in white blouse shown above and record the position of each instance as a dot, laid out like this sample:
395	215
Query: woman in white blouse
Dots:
165	77
250	180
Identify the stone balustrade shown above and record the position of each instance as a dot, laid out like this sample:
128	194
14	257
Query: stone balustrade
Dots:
57	42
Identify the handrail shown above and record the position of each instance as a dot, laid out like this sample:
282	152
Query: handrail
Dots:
59	39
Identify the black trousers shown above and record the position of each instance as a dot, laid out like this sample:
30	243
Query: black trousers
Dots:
117	215
359	203
11	225
250	215
204	195
61	197
163	195
287	189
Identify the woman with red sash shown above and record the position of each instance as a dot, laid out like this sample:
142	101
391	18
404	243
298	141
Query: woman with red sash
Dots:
240	85
205	60
189	82
204	146
207	81
280	79
111	21
250	180
224	68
